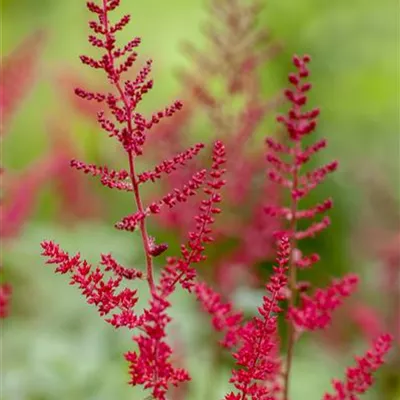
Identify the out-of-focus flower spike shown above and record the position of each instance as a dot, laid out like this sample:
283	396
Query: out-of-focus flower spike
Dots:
22	190
18	74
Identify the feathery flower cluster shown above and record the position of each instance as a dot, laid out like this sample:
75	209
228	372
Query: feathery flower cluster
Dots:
149	366
287	162
259	377
236	50
180	270
257	355
95	287
359	378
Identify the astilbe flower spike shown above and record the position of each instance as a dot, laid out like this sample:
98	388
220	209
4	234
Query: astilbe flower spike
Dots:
359	378
236	50
287	163
150	365
259	365
128	127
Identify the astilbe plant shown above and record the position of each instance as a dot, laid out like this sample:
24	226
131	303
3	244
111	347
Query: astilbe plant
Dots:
260	373
223	83
310	312
150	365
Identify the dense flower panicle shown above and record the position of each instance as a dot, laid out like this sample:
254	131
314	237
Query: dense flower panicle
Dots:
360	377
257	355
98	290
237	48
298	123
179	270
315	312
224	318
151	366
115	62
229	23
287	163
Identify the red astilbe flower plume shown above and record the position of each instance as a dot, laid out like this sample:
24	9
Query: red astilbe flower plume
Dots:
128	126
257	356
150	365
287	164
360	377
287	161
236	50
180	270
223	83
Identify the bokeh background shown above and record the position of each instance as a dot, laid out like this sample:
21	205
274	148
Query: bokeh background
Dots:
53	344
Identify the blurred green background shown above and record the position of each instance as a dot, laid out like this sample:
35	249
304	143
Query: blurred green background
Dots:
54	345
